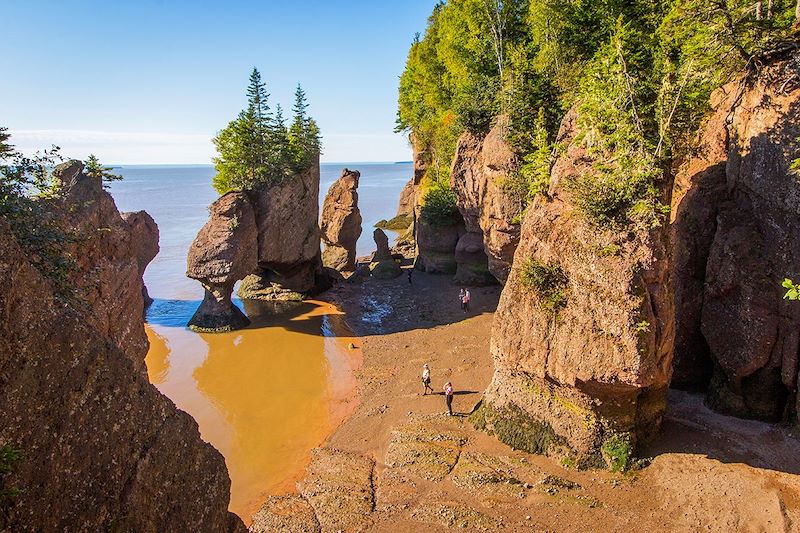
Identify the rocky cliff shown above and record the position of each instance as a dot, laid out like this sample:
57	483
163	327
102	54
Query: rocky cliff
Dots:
341	222
100	448
111	251
735	229
480	166
582	337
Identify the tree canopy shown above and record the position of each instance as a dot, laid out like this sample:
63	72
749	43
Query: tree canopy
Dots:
639	71
257	147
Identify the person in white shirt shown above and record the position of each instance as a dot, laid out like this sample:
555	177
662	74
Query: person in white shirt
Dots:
426	379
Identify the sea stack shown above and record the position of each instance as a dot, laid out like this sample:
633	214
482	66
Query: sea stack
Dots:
289	258
383	264
341	222
223	253
735	228
583	335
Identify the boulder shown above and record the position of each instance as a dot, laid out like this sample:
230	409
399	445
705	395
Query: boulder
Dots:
341	222
583	335
144	243
289	257
383	265
480	166
735	228
101	448
223	253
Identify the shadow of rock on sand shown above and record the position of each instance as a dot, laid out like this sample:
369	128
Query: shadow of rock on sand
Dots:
692	428
380	307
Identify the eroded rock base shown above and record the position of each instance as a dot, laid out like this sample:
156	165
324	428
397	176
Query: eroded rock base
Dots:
598	428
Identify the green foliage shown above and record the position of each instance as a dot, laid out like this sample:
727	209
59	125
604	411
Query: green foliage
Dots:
792	290
640	71
549	282
93	168
9	457
27	190
258	148
533	177
439	206
617	450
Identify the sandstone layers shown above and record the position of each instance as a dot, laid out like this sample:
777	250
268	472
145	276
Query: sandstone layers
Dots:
111	251
101	448
481	165
341	222
735	229
582	337
269	238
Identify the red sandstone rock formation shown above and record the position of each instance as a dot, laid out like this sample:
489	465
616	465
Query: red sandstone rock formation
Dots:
110	253
583	358
735	229
101	448
341	222
223	253
289	257
479	168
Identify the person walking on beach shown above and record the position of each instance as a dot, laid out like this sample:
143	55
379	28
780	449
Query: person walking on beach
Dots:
448	397
461	295
426	379
467	298
410	271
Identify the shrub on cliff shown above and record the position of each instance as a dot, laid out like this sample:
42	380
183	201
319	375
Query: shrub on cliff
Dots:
257	147
439	206
549	282
26	188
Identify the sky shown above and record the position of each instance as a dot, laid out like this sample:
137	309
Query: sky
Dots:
151	81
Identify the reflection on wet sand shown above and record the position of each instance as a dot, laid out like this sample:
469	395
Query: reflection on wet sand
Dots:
264	396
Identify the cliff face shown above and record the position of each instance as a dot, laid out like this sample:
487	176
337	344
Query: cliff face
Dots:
341	222
111	251
582	337
479	168
735	228
101	448
289	257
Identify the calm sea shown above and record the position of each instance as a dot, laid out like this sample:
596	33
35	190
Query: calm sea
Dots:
177	198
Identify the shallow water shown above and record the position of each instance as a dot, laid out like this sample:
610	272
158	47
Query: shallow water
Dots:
264	396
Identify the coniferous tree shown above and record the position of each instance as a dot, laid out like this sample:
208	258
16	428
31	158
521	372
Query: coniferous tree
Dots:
257	147
94	169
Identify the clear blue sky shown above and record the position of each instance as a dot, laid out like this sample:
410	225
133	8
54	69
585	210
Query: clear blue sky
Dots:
151	81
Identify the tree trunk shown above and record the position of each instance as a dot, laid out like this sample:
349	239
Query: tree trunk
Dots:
797	11
758	10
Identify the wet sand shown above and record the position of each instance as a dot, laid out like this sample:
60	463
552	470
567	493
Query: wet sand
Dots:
706	472
264	396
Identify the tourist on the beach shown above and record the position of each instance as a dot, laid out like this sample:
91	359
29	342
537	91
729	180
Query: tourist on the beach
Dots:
467	298
448	397
461	294
426	379
410	271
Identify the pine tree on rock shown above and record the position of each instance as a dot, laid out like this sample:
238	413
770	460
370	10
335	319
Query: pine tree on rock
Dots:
257	147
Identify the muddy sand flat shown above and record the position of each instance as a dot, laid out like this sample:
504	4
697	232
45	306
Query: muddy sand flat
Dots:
406	466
